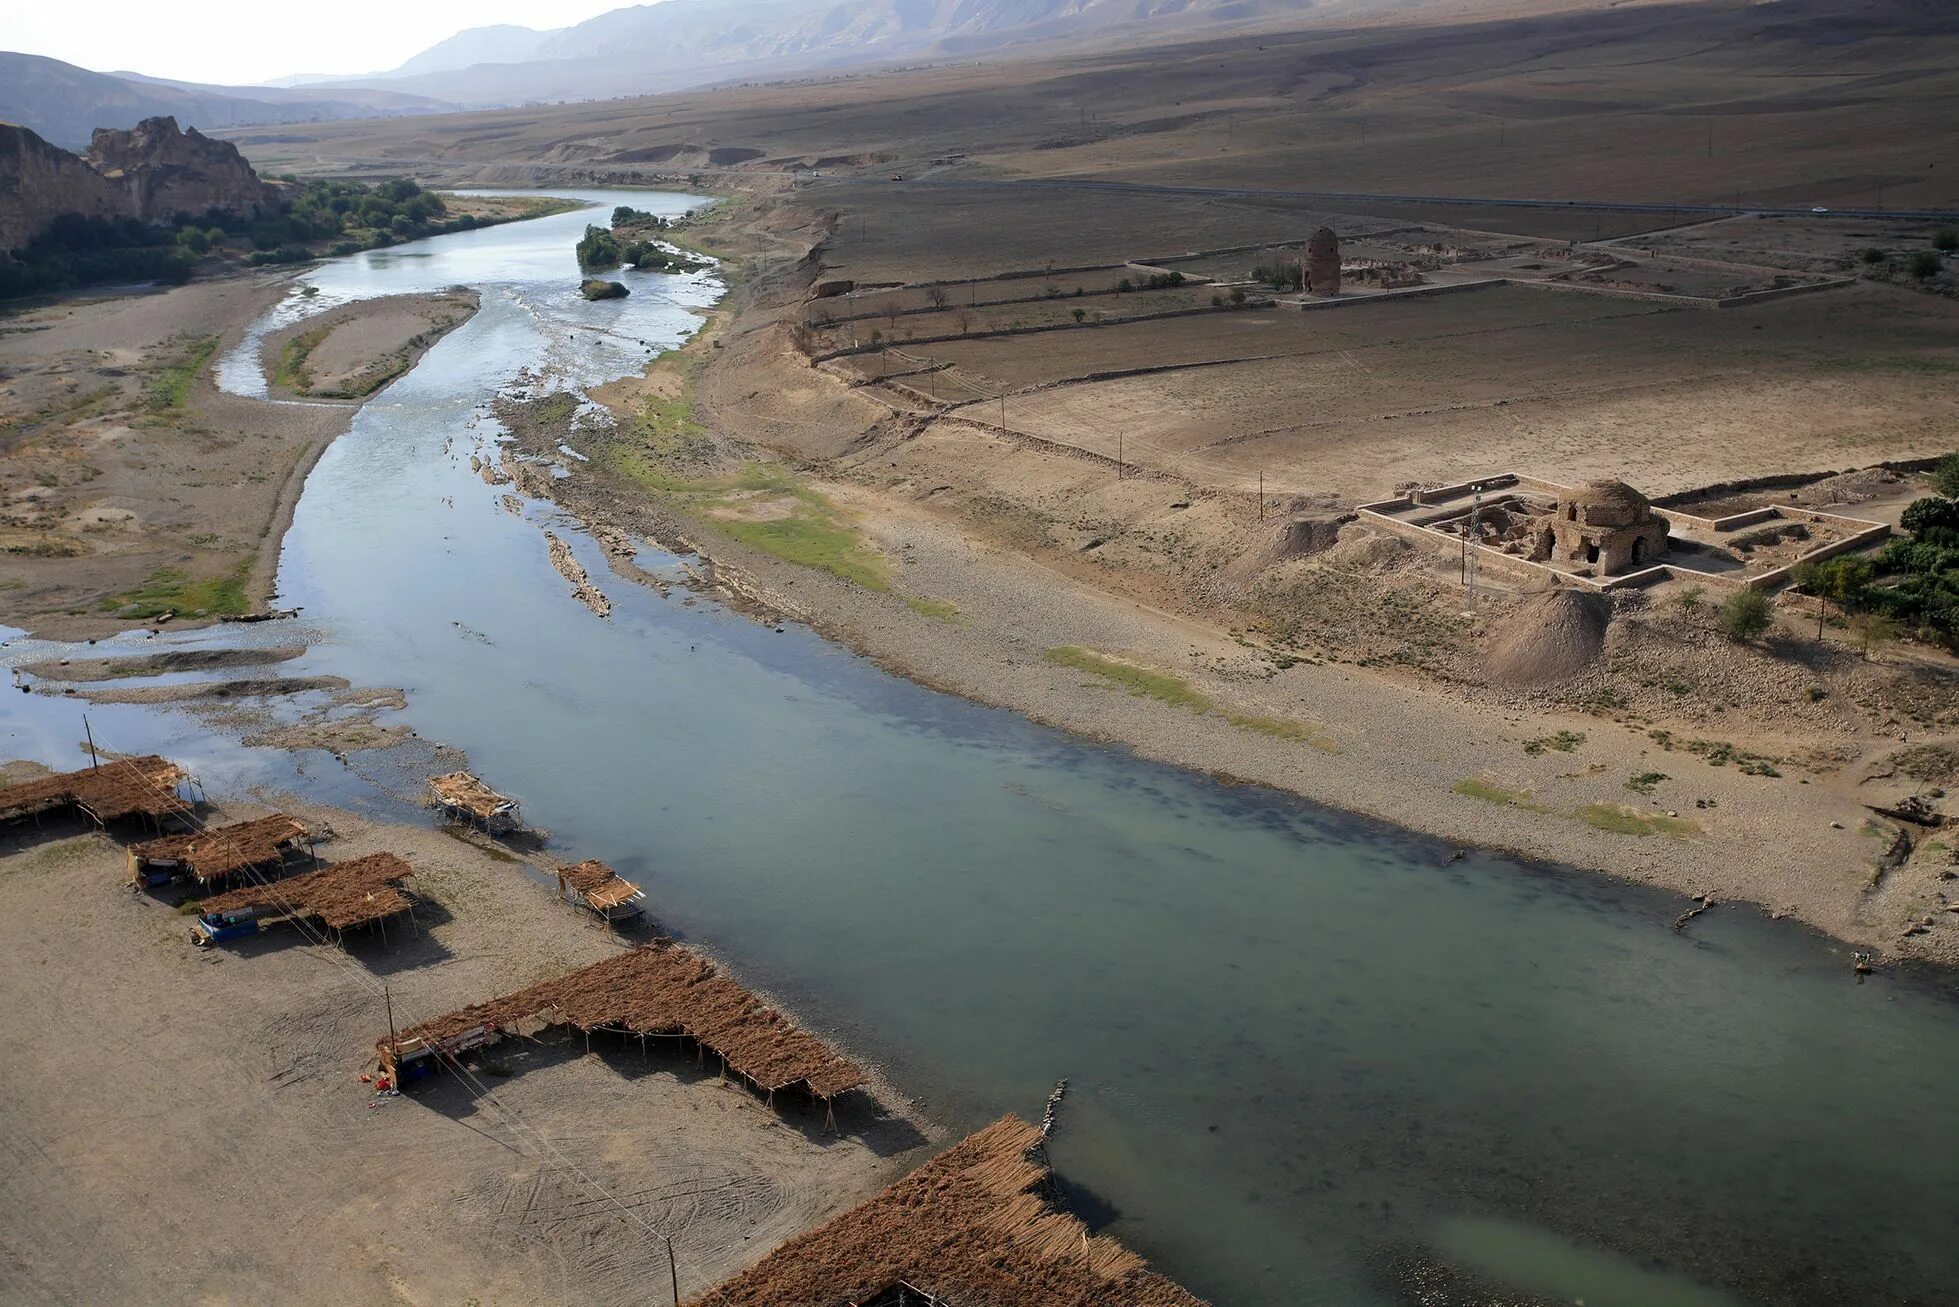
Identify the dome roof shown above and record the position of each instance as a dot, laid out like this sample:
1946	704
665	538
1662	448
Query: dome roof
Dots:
1606	502
1324	239
1608	493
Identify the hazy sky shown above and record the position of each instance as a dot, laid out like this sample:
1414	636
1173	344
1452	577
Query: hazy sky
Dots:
233	41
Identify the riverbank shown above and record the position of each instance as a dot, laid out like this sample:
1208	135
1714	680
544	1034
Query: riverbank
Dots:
350	352
138	491
991	605
245	1060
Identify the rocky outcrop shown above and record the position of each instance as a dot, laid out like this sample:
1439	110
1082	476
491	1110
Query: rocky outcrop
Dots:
38	181
154	171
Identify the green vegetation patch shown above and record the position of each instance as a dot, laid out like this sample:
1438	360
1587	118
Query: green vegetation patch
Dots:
1563	742
1477	788
292	372
1719	753
171	590
1630	821
1165	687
46	546
171	385
1140	681
1645	781
813	537
1286	728
938	608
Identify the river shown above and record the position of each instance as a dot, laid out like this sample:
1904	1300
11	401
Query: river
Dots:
1300	1044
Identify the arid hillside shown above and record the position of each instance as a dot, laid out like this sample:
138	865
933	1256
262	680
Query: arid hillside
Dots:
1805	102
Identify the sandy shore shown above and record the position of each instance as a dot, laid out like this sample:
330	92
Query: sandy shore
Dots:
136	490
350	352
159	1100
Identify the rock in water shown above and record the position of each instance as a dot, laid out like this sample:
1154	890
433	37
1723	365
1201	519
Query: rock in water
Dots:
1553	637
595	288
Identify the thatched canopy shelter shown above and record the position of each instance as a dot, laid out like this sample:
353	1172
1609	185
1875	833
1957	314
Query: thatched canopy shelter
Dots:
599	887
971	1229
662	988
212	855
353	893
467	798
125	787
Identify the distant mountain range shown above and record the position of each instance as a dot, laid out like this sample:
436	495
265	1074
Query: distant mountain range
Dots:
681	43
642	50
65	104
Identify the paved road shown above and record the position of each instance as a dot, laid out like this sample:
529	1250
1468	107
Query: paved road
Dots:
1480	201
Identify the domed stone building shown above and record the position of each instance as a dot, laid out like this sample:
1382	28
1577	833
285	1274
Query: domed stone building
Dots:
1605	524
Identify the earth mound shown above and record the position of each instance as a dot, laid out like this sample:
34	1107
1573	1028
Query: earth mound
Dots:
1551	637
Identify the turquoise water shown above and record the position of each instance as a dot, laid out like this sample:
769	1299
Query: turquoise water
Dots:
1300	1044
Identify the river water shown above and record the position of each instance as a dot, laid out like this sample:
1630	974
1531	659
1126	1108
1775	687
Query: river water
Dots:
1299	1044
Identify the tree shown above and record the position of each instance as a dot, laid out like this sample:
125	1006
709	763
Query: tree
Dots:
1744	615
1945	477
1079	314
1840	581
937	295
1926	265
1877	629
1932	521
1690	599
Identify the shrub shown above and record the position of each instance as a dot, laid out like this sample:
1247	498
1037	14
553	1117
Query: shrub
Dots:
1926	264
1744	615
599	249
1947	239
1875	256
1945	477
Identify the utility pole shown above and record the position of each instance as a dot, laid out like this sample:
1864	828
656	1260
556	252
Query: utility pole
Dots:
94	760
673	1273
394	1040
1118	455
1261	495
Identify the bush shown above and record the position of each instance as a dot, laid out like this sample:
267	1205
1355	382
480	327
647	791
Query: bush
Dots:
1945	477
284	254
1744	615
1875	256
1947	239
1924	596
1926	264
599	249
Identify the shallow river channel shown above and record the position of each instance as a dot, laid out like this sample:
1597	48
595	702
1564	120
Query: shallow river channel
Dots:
1302	1047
